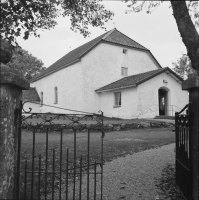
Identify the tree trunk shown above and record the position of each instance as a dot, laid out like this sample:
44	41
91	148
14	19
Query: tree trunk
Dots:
187	31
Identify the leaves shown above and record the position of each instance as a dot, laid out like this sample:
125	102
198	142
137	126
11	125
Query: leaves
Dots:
25	63
138	6
186	14
28	16
193	7
183	66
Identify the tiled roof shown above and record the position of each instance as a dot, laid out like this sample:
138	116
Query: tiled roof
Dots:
30	95
119	38
113	36
134	80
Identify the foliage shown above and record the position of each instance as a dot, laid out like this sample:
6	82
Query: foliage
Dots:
150	6
183	66
26	17
186	14
25	63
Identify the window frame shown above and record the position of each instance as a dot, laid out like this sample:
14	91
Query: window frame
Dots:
124	71
56	95
117	99
42	98
125	51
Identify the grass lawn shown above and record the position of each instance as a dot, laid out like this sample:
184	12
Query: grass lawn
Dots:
117	143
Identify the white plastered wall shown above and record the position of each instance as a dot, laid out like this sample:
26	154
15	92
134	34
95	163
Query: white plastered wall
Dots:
128	109
102	66
77	83
147	96
69	84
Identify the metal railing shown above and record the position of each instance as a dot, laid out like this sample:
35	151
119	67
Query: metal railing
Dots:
183	144
169	110
62	172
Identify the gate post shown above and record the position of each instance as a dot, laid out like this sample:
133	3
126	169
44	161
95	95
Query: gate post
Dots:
192	85
12	85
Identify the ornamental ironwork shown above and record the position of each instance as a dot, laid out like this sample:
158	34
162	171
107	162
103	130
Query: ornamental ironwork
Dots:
64	169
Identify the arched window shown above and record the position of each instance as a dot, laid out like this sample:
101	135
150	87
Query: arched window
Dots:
56	95
42	98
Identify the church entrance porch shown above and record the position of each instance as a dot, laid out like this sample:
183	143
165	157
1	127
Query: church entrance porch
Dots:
163	101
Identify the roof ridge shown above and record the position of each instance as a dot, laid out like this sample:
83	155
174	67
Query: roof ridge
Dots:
79	47
112	37
85	44
132	39
88	42
149	71
133	80
108	33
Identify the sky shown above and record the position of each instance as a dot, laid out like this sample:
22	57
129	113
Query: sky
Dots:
156	31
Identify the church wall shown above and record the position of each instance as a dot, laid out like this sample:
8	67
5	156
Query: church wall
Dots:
148	101
143	101
102	65
128	109
69	84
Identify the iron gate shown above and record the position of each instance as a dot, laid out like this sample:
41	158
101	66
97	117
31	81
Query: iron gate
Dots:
183	143
47	169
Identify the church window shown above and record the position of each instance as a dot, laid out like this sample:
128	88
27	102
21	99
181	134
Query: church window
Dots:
42	98
124	51
56	95
117	99
124	71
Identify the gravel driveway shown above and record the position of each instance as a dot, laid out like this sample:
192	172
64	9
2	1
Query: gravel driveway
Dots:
140	176
133	176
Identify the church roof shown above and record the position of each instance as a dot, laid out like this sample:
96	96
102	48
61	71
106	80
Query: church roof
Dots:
30	95
112	37
135	80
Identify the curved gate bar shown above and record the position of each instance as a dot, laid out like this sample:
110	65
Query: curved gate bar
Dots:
59	172
178	113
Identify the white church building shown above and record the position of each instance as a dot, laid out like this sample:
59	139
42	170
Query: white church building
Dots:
111	73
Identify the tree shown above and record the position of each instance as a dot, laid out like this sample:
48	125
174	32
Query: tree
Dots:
28	16
25	63
187	20
183	67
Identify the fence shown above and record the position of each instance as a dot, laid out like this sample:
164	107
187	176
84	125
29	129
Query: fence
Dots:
169	110
48	169
183	144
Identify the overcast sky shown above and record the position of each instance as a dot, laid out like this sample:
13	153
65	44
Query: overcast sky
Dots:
157	31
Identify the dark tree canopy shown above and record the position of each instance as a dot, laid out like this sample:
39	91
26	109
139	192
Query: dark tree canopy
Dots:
25	63
186	14
183	67
26	17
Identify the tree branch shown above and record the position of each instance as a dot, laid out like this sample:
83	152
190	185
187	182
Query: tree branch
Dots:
187	31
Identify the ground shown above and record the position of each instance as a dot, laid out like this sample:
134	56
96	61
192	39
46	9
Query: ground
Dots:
117	144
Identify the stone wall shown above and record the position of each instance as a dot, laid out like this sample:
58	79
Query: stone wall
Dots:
11	95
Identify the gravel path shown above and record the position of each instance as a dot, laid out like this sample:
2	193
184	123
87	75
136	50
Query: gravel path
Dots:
136	177
133	176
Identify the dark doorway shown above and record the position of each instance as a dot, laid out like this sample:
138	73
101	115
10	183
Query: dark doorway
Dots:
162	94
